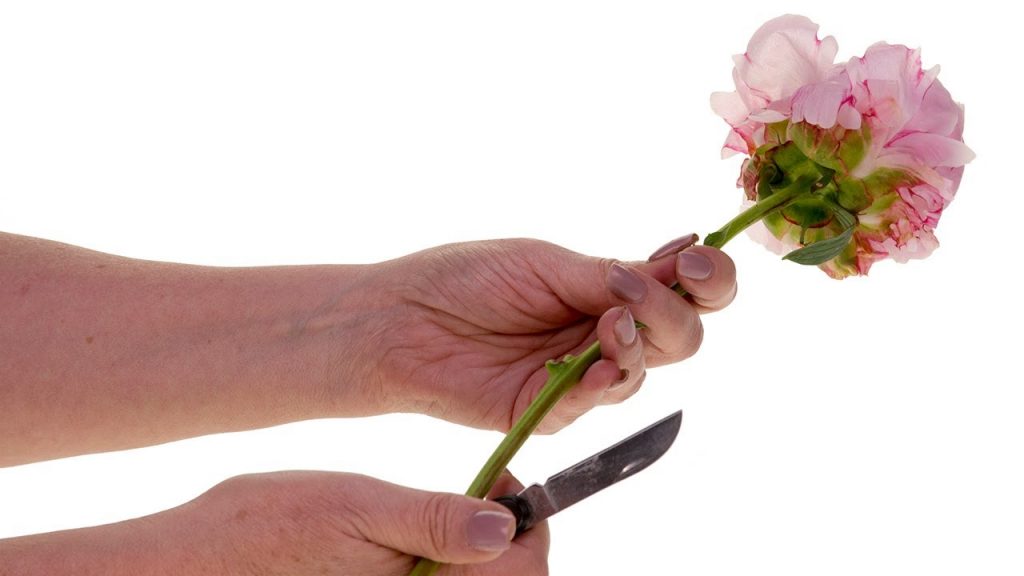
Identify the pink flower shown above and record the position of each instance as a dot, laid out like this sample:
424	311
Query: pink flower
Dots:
882	136
783	56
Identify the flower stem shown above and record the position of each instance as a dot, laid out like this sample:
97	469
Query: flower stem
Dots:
744	219
564	374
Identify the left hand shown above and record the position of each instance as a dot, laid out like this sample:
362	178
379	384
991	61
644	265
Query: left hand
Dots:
468	327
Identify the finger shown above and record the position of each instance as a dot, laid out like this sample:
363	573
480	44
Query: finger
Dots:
708	275
529	551
622	344
612	379
673	328
448	528
536	539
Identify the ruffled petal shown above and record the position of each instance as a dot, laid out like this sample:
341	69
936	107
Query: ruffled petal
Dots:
819	103
730	107
932	149
848	117
937	113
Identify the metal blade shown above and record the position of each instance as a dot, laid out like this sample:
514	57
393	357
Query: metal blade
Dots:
603	469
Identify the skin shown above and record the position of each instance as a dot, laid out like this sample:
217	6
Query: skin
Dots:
101	353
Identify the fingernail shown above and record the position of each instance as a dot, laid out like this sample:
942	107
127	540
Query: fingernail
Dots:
625	328
677	245
491	531
623	377
625	284
692	265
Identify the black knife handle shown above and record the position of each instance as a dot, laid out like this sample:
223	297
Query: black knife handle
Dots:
520	508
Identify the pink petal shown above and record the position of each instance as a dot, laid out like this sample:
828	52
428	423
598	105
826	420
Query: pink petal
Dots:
734	143
819	103
937	112
933	149
729	106
768	116
783	55
848	117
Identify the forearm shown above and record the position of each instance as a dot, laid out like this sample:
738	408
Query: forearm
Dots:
126	548
99	352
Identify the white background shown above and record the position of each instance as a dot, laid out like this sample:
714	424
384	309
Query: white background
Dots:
858	427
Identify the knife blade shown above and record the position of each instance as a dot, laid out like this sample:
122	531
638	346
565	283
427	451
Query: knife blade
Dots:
609	466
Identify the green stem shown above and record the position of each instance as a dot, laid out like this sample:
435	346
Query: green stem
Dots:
565	374
744	219
562	376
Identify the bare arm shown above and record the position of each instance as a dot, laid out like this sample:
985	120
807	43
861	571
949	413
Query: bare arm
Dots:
99	352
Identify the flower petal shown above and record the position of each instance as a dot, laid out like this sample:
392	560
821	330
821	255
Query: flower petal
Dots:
848	117
938	113
729	106
819	103
932	149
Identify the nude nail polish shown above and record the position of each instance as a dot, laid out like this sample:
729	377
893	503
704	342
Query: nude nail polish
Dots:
677	245
625	328
625	284
694	266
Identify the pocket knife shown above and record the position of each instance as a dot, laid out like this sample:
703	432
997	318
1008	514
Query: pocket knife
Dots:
607	467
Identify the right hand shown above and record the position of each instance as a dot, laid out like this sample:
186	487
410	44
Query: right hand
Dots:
297	523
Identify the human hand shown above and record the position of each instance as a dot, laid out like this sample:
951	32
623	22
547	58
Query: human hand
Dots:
296	523
468	327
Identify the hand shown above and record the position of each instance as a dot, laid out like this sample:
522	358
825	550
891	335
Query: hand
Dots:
296	523
469	326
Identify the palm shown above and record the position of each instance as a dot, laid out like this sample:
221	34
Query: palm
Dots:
482	320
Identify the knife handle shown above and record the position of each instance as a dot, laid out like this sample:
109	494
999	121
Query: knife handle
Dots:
520	508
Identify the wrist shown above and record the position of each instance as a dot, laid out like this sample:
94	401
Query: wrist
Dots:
325	336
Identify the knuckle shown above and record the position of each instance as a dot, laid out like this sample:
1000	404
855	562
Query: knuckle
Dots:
437	514
604	265
686	344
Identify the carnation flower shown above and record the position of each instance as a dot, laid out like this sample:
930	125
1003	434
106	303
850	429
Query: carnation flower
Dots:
876	143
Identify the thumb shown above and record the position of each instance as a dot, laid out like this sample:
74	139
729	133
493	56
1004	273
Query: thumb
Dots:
448	528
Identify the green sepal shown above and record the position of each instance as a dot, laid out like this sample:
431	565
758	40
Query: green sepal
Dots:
767	177
853	195
715	239
818	144
853	147
808	212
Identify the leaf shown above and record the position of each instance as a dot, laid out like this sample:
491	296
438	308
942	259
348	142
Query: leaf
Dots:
821	251
824	250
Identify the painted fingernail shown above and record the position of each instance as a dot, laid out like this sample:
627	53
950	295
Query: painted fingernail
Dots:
625	328
694	266
625	284
491	531
677	245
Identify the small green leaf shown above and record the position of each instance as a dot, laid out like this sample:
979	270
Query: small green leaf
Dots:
821	251
845	219
824	250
